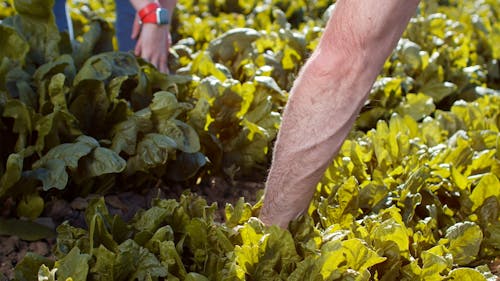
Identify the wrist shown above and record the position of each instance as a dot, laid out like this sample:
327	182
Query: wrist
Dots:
153	13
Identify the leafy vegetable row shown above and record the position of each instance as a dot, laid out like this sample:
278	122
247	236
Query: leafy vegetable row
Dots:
414	193
405	201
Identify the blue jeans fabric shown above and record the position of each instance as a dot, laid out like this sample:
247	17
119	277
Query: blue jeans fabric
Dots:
60	15
125	15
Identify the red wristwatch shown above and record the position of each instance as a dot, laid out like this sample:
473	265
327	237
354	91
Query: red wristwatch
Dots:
153	13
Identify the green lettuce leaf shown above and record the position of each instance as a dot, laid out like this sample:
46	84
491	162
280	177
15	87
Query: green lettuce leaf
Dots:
74	265
465	274
12	174
464	240
30	266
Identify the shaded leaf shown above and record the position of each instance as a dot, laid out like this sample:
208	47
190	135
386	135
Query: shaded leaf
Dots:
26	230
12	174
103	161
29	267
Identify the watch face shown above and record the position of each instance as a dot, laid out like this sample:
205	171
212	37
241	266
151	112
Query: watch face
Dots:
162	16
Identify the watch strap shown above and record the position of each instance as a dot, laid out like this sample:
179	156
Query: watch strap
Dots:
159	17
147	10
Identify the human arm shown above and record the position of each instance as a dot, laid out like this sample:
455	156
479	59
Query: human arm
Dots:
326	98
153	41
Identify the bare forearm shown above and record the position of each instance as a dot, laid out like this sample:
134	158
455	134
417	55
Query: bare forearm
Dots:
326	98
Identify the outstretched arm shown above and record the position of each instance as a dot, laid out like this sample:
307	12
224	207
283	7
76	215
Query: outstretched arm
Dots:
326	98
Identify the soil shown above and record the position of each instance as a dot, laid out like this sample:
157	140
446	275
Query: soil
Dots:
125	204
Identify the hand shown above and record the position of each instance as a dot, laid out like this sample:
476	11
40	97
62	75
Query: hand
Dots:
153	43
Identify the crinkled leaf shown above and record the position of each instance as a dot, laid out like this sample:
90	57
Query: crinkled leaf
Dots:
62	65
410	53
346	204
12	45
55	127
488	186
36	22
435	261
247	255
280	254
307	269
165	106
136	262
125	134
52	173
330	262
239	213
390	230
465	274
229	44
104	266
153	150
151	219
438	90
69	153
74	265
102	161
170	257
464	242
197	234
358	256
185	136
417	106
204	66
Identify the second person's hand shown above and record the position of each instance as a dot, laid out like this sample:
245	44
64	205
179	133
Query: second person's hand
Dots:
153	43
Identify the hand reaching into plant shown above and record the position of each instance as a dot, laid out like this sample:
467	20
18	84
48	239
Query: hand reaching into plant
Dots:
153	43
153	39
326	98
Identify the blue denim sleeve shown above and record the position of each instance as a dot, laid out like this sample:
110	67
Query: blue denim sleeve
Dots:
60	15
125	15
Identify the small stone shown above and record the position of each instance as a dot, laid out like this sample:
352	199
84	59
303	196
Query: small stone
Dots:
46	221
59	209
114	201
79	204
8	245
39	247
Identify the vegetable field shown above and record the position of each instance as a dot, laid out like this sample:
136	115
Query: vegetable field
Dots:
414	193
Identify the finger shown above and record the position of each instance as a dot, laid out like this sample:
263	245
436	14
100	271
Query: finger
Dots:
158	63
163	63
136	27
138	48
